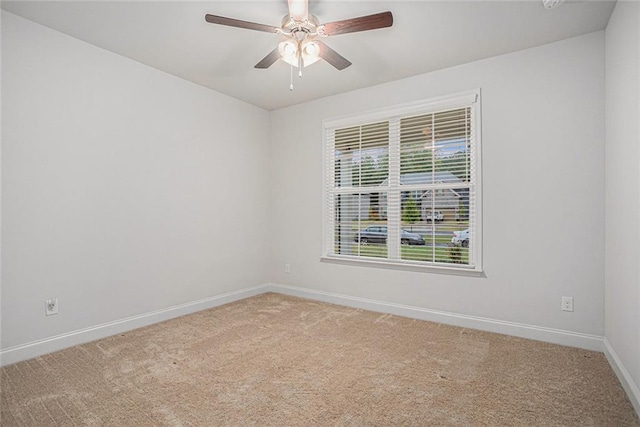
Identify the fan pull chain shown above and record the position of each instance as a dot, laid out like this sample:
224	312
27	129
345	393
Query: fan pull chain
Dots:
291	78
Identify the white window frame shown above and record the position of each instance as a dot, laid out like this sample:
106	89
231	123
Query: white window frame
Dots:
471	99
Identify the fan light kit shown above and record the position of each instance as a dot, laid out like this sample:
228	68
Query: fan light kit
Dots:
302	32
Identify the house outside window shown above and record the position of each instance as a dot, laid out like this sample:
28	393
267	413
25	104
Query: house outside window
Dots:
402	186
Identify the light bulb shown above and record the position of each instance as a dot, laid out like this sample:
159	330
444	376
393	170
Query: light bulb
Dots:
311	49
310	53
289	49
289	52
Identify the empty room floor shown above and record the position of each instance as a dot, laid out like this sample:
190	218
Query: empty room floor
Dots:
281	360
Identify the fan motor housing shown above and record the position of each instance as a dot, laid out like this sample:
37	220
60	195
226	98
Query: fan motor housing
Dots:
291	25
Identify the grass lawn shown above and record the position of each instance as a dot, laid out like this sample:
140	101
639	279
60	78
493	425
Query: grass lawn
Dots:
414	253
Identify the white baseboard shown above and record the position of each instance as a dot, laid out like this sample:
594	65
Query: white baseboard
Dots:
555	336
47	345
59	342
623	375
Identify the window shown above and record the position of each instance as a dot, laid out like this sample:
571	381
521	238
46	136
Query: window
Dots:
403	186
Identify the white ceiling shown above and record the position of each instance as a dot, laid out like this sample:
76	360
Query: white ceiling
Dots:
426	35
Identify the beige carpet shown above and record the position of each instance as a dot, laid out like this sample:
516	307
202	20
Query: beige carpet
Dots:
279	360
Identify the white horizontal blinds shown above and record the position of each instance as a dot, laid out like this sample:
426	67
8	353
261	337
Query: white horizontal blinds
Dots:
393	200
435	146
362	155
402	186
354	234
435	178
470	212
329	241
451	139
359	166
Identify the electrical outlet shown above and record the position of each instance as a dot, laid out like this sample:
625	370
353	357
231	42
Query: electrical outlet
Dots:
51	306
287	269
567	303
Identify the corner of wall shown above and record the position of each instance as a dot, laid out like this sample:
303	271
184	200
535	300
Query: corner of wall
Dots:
629	386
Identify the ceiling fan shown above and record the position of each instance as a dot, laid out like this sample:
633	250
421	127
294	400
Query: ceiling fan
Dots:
302	32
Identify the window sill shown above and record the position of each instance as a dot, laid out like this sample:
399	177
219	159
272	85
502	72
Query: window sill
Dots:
391	265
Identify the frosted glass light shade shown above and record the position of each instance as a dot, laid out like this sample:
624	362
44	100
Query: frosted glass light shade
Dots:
289	52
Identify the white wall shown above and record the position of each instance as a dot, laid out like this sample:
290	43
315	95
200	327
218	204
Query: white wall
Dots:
112	198
622	296
125	190
543	162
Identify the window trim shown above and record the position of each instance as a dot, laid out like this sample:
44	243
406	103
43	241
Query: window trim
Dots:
432	105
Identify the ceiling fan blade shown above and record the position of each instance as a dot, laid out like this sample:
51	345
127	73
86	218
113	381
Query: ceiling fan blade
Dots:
363	23
268	60
215	19
332	57
299	9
